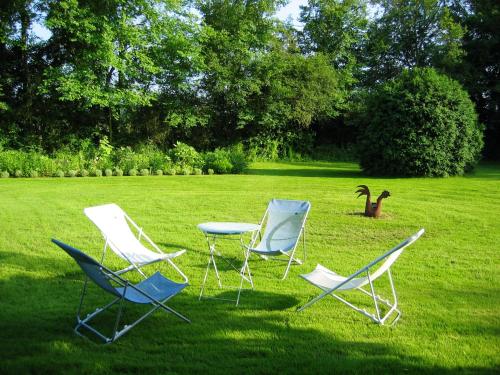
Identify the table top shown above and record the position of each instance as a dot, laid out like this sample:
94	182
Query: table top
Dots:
227	228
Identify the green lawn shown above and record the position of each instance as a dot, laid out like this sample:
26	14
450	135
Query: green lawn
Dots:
448	282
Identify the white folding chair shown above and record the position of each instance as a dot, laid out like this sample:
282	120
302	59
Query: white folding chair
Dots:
330	282
284	224
113	223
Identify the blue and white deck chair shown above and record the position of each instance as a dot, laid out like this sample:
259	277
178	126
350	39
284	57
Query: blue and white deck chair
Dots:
155	291
113	223
284	224
329	282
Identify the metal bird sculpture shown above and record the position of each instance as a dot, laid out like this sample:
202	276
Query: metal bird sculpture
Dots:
372	209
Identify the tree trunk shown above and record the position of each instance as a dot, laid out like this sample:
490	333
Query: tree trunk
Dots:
26	74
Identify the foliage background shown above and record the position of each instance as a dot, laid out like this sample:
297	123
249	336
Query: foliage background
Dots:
213	74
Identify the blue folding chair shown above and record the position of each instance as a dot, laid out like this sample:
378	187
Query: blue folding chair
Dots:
284	224
155	290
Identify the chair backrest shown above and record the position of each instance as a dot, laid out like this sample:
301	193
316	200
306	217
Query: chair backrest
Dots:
285	220
111	221
93	269
390	257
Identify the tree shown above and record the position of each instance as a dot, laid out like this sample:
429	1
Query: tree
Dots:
236	34
411	33
115	57
480	72
337	29
20	70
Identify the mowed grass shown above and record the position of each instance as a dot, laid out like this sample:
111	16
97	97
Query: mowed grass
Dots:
448	282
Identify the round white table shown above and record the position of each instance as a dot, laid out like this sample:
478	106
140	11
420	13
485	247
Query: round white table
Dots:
212	230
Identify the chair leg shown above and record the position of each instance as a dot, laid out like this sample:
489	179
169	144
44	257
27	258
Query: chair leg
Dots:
292	259
245	268
376	300
89	317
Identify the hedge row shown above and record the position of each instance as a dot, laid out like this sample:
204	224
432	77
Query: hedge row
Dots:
104	160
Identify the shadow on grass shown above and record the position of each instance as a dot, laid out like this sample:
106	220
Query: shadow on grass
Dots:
307	172
263	335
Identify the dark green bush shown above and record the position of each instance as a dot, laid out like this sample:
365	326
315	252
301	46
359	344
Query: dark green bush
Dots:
419	124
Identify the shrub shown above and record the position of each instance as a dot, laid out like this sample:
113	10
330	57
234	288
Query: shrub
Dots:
210	171
18	173
65	160
84	173
152	157
47	166
125	159
238	159
419	124
186	170
97	173
72	173
4	174
330	152
59	173
159	172
132	172
197	171
185	155
219	160
118	172
33	174
171	171
144	172
104	155
11	161
108	172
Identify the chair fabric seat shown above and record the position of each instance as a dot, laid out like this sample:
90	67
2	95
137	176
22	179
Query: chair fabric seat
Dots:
157	286
326	279
112	222
264	249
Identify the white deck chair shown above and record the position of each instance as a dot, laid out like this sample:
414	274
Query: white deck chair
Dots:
330	282
113	223
285	223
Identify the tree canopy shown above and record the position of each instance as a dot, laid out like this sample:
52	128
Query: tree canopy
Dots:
214	73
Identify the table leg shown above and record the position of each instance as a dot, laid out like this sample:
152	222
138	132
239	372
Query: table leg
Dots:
211	259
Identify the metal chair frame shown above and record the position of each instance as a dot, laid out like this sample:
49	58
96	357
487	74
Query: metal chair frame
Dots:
117	279
140	235
392	305
289	254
